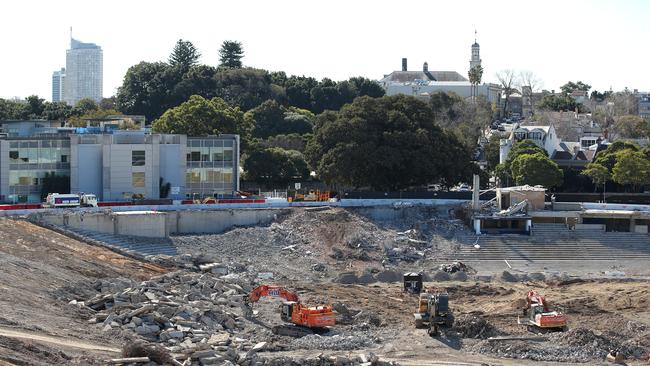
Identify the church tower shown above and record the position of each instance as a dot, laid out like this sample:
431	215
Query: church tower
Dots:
476	57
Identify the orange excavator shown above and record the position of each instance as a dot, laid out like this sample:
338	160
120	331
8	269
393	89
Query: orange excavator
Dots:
305	320
539	315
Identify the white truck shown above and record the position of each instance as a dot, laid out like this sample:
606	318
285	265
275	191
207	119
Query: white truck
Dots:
54	200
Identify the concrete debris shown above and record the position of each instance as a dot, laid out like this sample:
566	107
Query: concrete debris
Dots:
474	326
508	277
337	342
441	276
575	345
453	267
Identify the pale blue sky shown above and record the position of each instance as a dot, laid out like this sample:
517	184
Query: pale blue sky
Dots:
603	43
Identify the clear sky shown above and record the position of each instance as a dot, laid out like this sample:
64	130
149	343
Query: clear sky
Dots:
603	43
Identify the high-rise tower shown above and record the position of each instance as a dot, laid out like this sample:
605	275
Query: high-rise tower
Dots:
84	72
58	85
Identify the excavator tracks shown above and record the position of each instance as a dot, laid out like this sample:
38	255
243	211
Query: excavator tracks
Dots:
291	330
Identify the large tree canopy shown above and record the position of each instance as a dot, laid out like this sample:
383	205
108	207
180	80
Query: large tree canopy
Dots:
386	143
275	166
271	119
201	117
536	169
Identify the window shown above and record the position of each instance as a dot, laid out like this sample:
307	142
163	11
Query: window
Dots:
137	179
137	158
13	155
64	158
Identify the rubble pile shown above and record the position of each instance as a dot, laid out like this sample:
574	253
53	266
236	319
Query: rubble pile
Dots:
319	244
575	345
195	314
338	342
474	326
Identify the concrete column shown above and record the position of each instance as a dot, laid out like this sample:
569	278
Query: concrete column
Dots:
529	225
477	226
632	225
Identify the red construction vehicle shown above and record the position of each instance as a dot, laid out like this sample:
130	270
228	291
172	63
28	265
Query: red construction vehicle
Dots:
539	315
306	320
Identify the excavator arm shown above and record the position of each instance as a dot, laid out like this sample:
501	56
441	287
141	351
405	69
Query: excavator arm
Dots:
272	291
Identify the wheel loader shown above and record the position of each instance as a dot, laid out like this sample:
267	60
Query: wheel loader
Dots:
433	312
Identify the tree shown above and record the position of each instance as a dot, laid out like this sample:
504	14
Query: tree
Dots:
86	105
36	106
570	87
492	151
631	168
529	83
198	80
536	169
246	88
230	54
201	117
274	166
57	111
108	103
298	91
475	75
365	86
184	56
609	156
507	80
630	126
558	103
146	90
598	174
10	109
386	143
292	141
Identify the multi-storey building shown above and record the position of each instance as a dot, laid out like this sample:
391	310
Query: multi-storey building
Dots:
84	72
58	85
118	166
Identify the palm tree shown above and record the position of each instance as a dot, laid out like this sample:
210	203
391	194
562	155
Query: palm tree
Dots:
475	74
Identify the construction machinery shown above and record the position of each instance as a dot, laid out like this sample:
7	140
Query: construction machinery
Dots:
413	282
433	312
305	320
539	316
312	196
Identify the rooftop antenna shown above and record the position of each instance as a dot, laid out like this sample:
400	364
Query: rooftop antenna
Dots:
71	36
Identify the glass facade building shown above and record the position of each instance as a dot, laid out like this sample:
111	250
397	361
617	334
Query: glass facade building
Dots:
209	167
29	161
84	72
117	166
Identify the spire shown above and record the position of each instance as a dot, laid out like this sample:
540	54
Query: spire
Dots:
474	35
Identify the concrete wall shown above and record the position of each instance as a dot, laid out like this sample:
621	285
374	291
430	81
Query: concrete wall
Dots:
148	224
144	224
173	166
117	159
86	168
217	221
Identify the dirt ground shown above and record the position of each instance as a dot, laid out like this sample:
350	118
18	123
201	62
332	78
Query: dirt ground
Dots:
42	271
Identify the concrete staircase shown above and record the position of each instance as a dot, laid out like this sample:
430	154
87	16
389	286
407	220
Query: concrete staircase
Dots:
555	242
135	246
